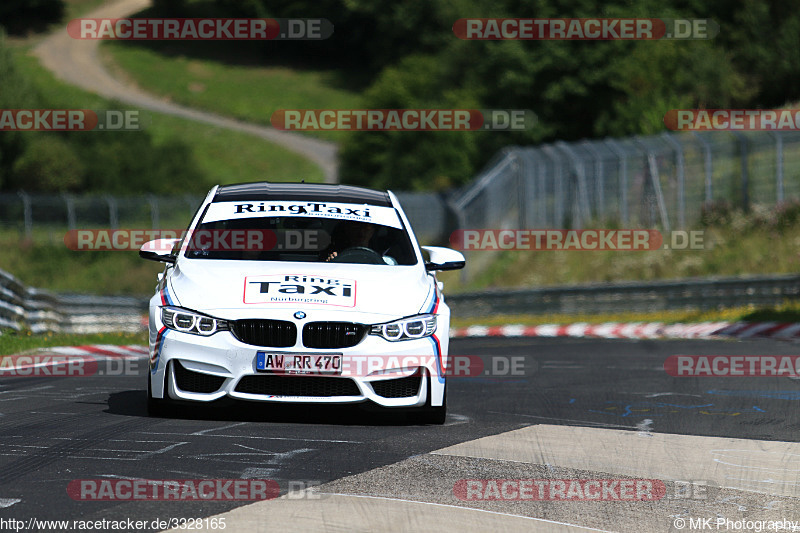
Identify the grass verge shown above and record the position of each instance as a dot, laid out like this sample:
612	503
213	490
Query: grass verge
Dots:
248	92
223	156
76	8
728	251
46	263
13	342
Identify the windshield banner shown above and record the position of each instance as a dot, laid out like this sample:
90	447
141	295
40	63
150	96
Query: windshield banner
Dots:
385	216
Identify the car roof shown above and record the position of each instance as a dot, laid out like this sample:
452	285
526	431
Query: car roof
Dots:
318	192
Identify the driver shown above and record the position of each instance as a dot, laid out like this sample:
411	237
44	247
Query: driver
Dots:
351	235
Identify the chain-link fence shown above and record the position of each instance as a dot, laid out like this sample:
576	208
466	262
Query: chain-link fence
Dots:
655	181
26	212
661	181
29	214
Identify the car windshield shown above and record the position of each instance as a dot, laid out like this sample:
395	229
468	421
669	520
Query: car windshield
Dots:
306	239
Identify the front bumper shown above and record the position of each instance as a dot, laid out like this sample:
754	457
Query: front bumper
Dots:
205	369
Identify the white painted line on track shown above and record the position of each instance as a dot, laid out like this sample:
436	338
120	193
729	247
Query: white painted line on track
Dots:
252	437
587	422
463	508
8	502
206	431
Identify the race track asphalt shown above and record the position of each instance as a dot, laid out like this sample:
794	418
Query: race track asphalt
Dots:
54	430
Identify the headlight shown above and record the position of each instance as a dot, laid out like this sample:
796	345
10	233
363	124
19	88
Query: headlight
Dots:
415	327
187	321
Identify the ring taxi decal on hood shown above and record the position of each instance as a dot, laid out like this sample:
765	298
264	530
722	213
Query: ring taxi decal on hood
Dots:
293	289
385	216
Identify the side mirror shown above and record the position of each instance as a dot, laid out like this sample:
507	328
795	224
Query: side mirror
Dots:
443	259
158	250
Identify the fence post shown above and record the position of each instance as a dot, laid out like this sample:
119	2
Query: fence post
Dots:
528	194
599	179
778	165
708	164
542	188
623	178
113	216
153	201
652	165
192	203
744	153
584	211
558	189
27	214
679	163
516	167
70	203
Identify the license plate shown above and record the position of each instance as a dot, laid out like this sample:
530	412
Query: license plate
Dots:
299	363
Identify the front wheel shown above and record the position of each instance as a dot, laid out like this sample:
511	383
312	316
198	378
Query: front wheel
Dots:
158	407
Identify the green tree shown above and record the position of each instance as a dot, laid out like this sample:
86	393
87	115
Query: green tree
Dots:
763	37
15	93
411	160
48	164
658	76
22	16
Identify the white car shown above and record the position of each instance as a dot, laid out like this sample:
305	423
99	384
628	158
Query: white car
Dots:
300	293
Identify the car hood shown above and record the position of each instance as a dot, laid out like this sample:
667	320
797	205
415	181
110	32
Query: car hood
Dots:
238	289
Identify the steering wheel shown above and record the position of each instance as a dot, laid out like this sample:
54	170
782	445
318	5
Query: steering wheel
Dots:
359	254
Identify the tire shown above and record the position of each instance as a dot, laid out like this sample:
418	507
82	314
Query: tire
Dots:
158	407
430	414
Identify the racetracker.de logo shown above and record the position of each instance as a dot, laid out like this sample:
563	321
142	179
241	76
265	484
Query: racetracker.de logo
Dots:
173	489
69	120
732	119
205	240
395	366
583	29
630	490
403	119
732	365
58	365
582	239
200	29
48	365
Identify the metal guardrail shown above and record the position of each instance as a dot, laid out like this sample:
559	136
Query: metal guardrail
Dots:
687	294
23	307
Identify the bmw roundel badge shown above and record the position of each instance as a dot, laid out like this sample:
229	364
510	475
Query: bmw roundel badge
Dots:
299	315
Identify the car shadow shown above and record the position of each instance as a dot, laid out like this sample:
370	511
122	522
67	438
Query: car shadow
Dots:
134	403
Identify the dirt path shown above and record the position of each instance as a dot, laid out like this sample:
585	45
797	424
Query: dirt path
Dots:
78	62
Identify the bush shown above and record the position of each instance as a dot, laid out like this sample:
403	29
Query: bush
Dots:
125	162
777	218
717	213
788	214
48	164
